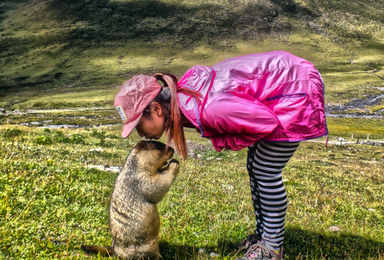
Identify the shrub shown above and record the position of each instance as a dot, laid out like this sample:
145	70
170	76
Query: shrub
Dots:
60	137
77	139
71	139
8	132
97	134
43	139
63	139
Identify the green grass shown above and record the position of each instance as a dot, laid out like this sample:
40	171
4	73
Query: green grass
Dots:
51	203
344	127
73	55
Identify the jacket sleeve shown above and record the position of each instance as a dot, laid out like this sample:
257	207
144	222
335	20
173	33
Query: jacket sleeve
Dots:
237	120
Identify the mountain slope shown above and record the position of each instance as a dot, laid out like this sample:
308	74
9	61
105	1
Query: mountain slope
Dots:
49	44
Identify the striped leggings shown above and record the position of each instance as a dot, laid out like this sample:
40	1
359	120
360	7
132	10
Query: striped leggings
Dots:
265	162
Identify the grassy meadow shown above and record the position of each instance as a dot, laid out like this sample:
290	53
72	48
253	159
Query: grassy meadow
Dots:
63	53
62	62
52	201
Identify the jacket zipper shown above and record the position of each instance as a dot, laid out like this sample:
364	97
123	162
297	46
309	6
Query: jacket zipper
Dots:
290	95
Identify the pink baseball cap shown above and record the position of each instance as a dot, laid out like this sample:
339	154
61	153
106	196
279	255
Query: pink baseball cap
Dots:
134	96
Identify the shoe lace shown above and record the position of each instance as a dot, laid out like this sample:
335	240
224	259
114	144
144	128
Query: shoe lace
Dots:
254	248
249	241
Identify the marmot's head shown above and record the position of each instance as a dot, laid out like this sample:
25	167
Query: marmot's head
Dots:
153	156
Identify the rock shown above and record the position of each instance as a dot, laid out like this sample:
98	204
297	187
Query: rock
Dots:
97	150
98	167
369	142
112	169
334	229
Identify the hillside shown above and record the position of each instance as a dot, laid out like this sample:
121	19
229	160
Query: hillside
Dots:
50	46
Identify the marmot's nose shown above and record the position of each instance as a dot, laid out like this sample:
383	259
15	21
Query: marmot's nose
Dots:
171	149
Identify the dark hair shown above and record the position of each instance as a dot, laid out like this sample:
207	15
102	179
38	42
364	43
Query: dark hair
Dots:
167	98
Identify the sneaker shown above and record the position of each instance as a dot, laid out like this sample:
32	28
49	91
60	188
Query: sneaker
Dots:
260	251
246	243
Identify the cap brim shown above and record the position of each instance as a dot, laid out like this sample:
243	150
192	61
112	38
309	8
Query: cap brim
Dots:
127	130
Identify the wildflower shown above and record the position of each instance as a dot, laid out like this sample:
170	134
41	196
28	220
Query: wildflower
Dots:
214	255
228	187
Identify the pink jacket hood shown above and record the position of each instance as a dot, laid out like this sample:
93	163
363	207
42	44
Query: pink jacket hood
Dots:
273	96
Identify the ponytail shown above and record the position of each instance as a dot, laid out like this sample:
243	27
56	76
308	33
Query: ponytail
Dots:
168	99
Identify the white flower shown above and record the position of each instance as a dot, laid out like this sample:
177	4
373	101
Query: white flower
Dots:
228	187
201	250
213	255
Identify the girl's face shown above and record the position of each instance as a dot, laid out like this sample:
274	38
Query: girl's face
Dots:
152	127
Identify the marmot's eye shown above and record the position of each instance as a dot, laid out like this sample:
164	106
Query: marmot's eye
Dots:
159	146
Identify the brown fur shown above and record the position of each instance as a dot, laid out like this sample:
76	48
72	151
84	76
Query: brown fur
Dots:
133	216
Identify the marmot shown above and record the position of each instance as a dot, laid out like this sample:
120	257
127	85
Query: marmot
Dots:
133	216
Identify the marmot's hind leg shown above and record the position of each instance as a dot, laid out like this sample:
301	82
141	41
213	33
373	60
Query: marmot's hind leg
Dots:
103	250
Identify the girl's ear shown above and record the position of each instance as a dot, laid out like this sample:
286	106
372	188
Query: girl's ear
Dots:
157	108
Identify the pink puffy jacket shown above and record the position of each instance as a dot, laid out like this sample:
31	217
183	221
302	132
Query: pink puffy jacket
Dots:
272	96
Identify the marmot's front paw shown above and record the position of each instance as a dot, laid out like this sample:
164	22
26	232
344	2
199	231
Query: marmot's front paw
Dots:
174	166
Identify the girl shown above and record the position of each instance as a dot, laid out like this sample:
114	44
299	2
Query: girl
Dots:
268	102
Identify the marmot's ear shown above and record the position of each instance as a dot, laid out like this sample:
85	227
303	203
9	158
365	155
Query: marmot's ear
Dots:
142	145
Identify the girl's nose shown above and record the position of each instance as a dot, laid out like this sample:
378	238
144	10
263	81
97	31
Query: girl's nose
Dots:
141	133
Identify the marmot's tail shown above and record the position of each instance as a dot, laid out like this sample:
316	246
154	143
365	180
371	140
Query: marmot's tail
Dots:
102	250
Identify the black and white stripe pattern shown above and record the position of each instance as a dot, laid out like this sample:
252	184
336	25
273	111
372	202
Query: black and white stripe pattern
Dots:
265	162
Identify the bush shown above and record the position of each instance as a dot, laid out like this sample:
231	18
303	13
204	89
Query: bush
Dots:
43	140
97	134
60	137
77	139
8	132
71	139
